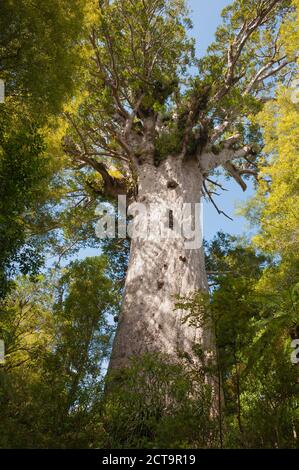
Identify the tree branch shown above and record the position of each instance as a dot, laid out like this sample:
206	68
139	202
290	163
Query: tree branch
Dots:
210	197
236	47
208	161
112	186
233	171
260	76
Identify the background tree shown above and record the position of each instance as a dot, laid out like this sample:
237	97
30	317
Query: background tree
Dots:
253	312
40	62
57	338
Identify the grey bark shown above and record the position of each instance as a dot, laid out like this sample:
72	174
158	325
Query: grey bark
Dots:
159	270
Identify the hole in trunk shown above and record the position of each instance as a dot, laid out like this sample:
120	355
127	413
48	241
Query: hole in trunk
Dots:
172	184
171	222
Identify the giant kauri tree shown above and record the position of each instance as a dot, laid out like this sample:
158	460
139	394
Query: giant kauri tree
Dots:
158	125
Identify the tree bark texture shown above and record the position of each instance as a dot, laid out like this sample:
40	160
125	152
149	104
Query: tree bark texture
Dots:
161	269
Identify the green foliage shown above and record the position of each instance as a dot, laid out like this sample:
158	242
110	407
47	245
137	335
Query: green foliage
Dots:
255	316
40	62
154	403
117	252
24	175
125	43
236	100
40	56
168	143
57	342
126	26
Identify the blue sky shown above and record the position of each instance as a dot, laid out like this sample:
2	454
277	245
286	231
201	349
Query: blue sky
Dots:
206	17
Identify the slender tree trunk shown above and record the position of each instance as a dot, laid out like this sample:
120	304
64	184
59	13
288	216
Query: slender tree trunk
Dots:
160	269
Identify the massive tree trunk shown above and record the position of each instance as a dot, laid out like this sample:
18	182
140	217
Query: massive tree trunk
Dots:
161	269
